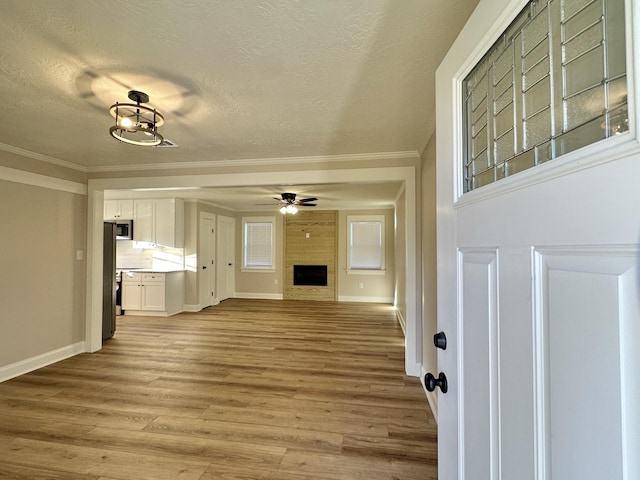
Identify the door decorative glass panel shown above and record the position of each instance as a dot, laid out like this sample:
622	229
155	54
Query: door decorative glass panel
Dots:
554	82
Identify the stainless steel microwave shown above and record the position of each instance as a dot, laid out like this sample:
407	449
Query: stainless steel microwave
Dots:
124	230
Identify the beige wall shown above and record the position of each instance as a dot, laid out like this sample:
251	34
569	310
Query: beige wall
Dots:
429	256
25	162
256	284
375	287
400	256
42	285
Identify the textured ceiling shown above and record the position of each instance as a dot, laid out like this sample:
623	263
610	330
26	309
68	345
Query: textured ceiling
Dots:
254	79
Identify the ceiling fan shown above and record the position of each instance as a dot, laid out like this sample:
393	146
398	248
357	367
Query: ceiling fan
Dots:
290	204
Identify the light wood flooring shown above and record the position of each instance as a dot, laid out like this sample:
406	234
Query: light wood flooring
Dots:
248	389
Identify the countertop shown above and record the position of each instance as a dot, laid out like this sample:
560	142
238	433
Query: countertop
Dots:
146	270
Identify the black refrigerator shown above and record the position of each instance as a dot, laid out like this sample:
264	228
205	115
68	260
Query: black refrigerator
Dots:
109	281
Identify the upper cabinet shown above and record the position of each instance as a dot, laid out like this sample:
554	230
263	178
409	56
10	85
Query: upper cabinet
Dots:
118	210
159	221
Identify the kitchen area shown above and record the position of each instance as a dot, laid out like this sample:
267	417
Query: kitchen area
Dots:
144	261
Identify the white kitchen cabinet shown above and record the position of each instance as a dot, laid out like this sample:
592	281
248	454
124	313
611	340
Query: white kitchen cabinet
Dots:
143	228
152	293
169	222
118	210
159	221
131	292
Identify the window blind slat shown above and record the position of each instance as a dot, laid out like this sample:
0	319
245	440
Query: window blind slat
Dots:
365	245
258	249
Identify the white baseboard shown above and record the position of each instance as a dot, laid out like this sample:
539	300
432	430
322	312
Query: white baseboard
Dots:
345	298
401	321
30	364
197	307
432	397
192	308
146	313
260	296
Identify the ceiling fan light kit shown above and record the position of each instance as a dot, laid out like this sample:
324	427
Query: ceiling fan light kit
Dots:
289	204
289	209
136	124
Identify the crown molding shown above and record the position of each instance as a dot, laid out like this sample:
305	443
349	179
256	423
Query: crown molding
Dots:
41	157
249	162
254	162
44	181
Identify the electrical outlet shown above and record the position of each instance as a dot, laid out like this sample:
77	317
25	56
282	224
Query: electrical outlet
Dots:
361	285
275	281
79	254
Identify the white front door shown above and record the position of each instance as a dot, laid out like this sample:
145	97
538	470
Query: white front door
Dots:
206	261
226	257
539	296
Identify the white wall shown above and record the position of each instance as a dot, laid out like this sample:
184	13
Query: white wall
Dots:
429	263
400	254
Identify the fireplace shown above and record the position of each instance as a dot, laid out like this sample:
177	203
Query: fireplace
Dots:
310	275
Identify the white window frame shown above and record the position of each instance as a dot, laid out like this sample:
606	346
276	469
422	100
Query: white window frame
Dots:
366	218
257	268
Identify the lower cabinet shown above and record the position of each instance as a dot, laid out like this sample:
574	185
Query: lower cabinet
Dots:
152	293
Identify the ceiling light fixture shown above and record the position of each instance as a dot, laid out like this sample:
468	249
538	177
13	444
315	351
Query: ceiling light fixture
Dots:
136	123
289	209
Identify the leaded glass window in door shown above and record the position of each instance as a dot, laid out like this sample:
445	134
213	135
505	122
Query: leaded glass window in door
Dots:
555	81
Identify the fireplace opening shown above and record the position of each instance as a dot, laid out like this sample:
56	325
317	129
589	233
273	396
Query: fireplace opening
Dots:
311	275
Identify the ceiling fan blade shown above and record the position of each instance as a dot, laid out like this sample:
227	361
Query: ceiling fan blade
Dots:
307	205
311	199
278	199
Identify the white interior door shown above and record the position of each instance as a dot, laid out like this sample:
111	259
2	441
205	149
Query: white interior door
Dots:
226	257
539	295
206	261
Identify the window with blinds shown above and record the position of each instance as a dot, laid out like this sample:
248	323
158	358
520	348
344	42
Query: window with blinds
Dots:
554	82
258	243
366	242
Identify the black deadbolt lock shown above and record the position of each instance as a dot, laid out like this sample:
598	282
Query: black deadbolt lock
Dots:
440	340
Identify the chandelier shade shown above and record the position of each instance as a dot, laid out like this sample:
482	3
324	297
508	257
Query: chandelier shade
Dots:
135	123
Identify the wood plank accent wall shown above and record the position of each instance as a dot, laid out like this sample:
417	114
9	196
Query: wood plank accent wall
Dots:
320	248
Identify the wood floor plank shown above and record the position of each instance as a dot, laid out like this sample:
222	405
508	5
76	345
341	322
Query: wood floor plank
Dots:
355	467
280	435
296	419
245	390
87	416
81	460
192	449
20	472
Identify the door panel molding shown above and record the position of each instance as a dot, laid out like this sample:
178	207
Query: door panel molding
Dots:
478	333
590	281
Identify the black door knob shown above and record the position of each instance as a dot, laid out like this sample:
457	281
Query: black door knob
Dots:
432	382
440	340
204	267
